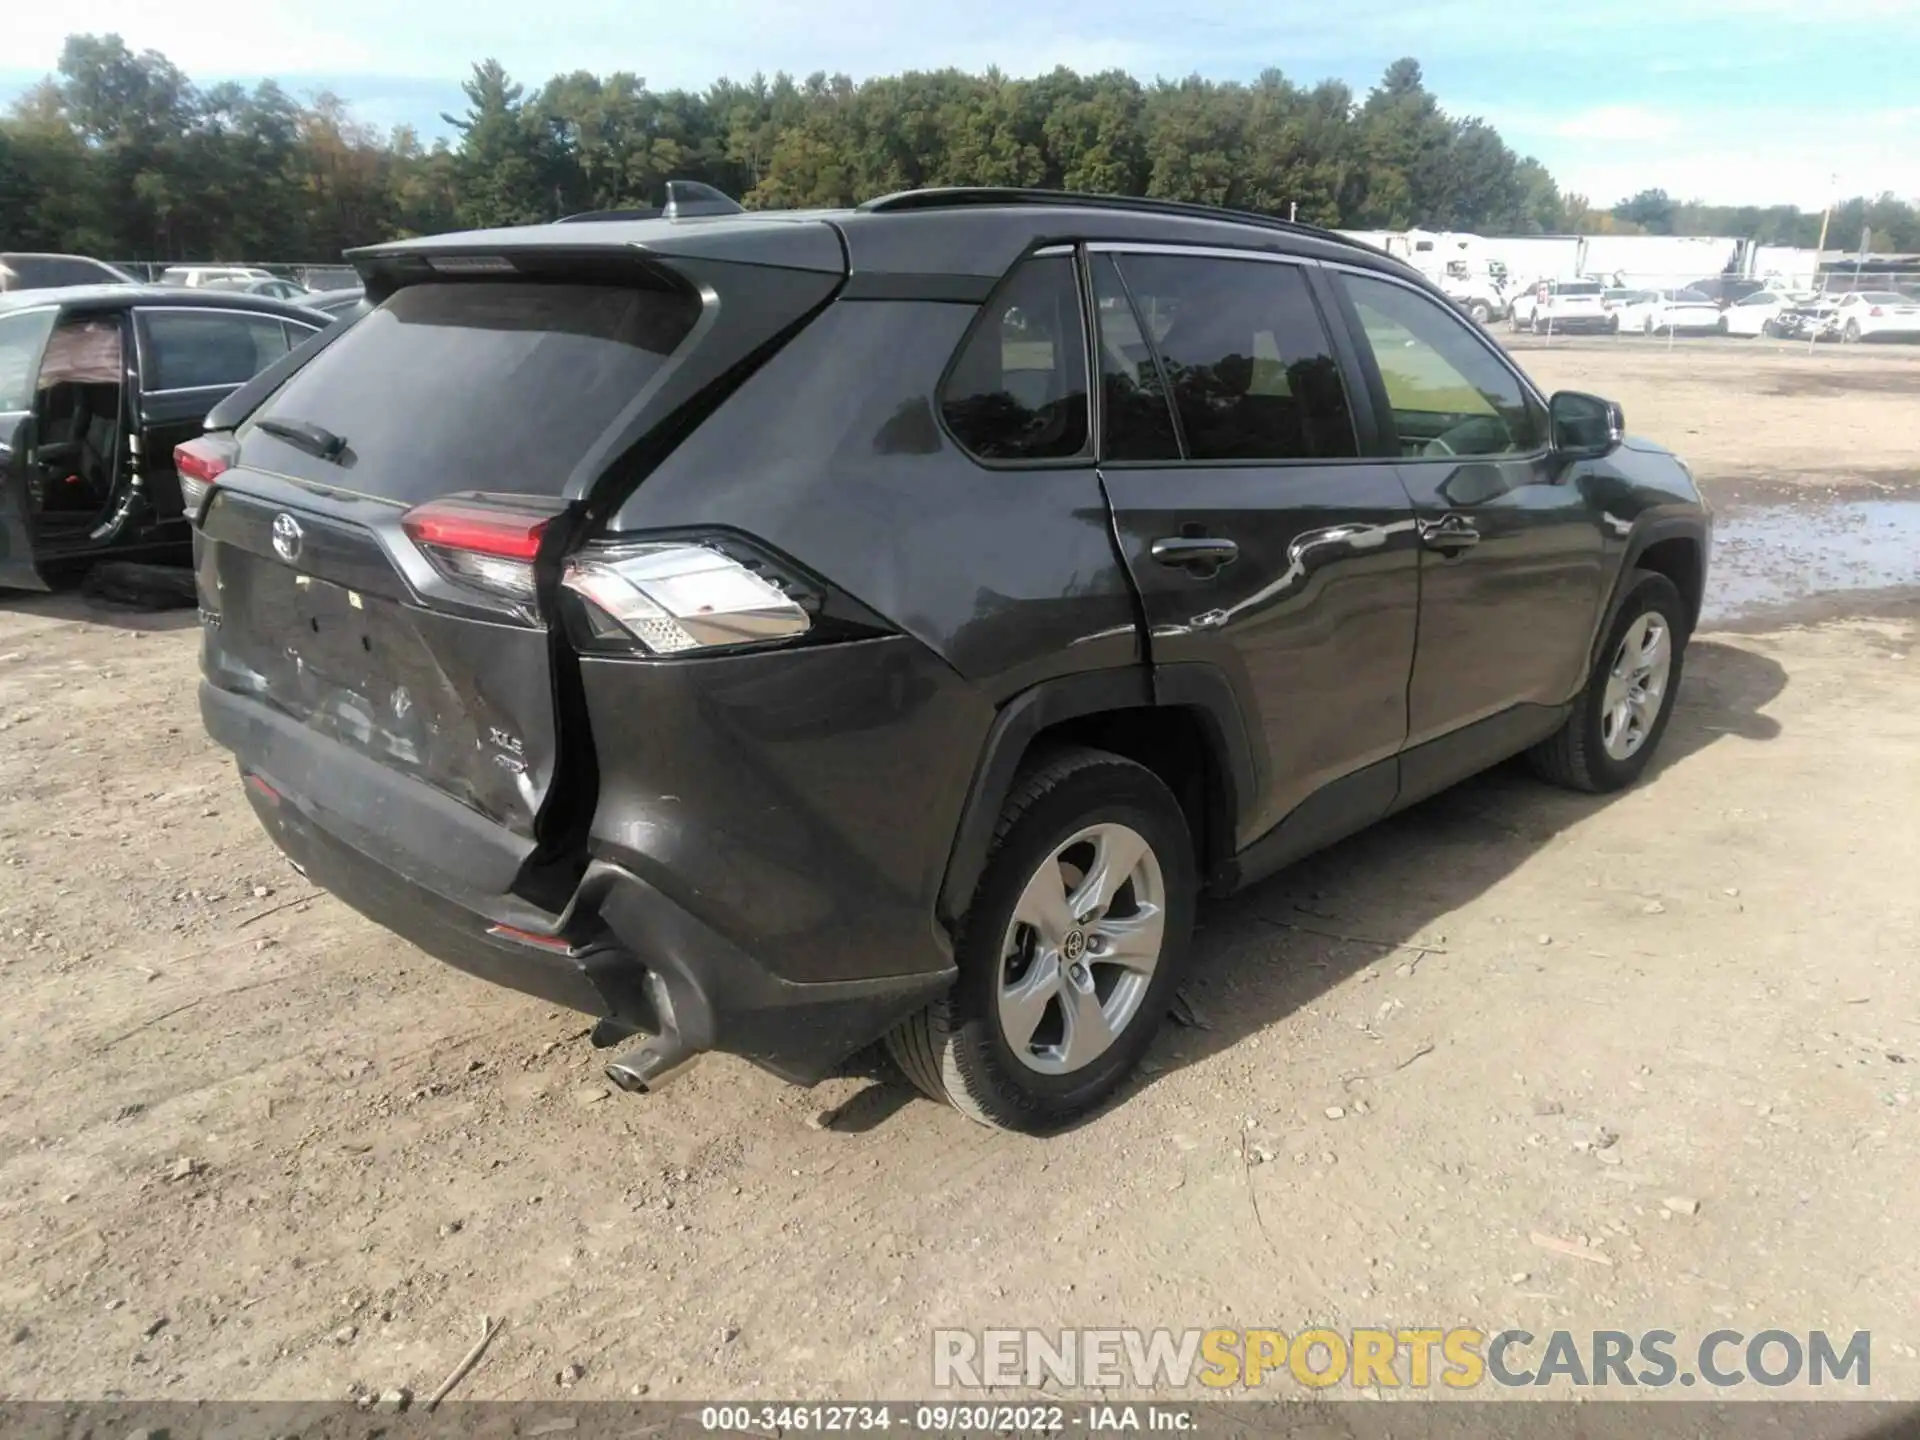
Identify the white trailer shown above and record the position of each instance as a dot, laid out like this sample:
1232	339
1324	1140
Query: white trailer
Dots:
1454	261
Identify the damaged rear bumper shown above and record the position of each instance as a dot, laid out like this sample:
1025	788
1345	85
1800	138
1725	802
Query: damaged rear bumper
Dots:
624	952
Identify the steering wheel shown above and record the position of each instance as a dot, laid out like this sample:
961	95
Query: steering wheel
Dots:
1476	435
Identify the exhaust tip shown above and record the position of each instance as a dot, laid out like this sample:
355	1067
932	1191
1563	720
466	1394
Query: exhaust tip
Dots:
647	1067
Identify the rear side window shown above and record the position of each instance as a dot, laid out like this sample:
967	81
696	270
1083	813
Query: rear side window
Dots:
1244	354
1018	387
199	349
497	386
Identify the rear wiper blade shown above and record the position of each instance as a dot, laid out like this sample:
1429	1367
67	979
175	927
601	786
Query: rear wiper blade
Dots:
314	439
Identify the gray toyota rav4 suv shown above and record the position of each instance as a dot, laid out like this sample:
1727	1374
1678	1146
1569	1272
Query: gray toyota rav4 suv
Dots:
775	633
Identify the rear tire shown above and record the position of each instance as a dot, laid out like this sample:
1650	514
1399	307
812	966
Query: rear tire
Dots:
1609	739
1481	312
960	1049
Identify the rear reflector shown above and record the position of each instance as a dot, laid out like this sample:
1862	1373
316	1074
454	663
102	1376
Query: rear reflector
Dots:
480	541
555	943
199	463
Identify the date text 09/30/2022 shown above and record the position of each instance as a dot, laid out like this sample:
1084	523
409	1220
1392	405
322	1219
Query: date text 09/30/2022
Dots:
941	1419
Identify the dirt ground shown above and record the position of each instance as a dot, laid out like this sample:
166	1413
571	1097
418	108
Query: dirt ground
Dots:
251	1146
1759	420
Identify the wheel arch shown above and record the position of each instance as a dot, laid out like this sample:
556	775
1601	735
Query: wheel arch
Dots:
1179	721
1672	545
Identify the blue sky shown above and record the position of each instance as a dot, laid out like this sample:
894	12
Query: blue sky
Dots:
1723	100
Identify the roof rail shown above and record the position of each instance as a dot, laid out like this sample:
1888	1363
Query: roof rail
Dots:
945	197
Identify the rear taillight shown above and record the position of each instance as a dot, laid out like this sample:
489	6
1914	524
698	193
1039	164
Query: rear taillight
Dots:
485	541
199	463
675	596
1876	311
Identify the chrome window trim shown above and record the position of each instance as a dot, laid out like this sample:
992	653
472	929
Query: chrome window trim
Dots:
1205	252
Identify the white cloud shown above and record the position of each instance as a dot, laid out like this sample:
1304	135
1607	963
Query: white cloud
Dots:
1614	123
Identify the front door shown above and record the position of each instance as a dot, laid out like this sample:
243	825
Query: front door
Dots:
23	336
1511	565
191	358
1261	542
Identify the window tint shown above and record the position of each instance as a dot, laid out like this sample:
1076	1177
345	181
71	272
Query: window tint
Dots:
483	385
21	338
1450	395
1246	358
189	349
1136	419
1018	390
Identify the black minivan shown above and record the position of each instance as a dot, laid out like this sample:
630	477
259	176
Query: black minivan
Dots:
771	633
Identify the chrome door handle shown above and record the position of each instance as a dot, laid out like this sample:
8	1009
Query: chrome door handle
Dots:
1449	534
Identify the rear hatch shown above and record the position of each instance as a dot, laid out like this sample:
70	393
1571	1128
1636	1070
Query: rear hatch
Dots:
1574	301
378	534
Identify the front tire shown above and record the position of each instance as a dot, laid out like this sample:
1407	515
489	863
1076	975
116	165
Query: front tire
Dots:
1070	952
1851	335
1481	312
1618	719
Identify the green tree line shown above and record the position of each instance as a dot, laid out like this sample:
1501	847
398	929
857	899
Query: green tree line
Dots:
120	155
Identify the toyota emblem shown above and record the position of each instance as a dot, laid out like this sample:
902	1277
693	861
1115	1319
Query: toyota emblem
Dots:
287	537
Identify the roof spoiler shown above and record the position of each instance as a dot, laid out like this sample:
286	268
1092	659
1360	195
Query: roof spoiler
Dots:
685	199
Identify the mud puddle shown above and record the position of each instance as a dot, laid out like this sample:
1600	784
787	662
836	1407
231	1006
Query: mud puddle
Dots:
1778	558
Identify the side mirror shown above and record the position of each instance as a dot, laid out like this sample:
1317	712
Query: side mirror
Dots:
1584	427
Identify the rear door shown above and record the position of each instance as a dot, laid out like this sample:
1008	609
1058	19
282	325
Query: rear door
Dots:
379	649
23	338
1511	565
1262	538
190	359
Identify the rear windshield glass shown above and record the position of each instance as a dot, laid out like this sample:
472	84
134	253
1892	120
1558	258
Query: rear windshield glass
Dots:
42	272
499	386
1575	287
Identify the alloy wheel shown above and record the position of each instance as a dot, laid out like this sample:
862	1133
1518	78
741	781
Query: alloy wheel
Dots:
1636	686
1080	952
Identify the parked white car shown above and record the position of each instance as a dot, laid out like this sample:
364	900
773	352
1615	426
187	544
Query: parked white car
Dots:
1616	298
1878	314
195	276
1757	314
1561	305
1679	312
